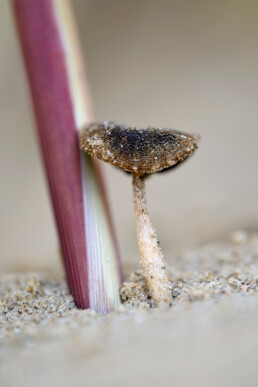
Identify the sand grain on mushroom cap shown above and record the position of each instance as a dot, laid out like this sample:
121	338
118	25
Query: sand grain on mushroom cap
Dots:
140	151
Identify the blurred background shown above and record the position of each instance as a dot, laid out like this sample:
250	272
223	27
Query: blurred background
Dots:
189	65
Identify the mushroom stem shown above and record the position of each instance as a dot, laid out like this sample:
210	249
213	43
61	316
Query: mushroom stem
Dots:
150	252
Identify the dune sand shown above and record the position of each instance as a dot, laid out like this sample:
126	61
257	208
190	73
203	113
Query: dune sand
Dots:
208	338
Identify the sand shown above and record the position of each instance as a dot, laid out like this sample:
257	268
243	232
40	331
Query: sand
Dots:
208	338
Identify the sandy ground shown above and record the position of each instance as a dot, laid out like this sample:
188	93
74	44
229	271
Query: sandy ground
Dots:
208	338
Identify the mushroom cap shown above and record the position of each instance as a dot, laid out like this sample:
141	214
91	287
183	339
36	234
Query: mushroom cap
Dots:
140	151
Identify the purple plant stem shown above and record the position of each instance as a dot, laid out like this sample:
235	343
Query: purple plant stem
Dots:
46	69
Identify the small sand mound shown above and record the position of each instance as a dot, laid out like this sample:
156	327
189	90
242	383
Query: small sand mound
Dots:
211	271
31	299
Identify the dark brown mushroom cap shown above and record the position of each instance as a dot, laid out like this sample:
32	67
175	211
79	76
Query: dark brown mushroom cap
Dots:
140	151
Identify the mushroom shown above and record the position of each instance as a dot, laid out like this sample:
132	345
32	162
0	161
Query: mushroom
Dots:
141	152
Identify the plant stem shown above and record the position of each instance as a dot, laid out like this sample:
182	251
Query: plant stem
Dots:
151	256
55	70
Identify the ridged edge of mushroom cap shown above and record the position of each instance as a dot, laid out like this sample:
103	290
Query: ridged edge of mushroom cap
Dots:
140	151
